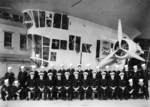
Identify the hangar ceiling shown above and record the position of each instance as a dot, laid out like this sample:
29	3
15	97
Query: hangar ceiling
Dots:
135	14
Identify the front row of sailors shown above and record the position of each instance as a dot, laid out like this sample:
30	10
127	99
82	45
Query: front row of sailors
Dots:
77	84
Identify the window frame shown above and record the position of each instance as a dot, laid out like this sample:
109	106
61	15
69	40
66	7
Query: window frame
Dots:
58	47
22	48
9	42
61	46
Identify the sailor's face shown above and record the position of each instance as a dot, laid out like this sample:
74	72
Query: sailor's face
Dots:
112	76
141	83
22	69
50	77
94	75
103	76
31	76
59	77
85	76
144	67
67	76
41	77
122	77
126	69
6	83
135	69
76	75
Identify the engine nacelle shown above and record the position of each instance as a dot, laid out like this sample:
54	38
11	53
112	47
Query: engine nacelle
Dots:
126	44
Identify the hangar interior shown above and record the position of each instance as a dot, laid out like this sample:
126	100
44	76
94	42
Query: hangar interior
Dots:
133	14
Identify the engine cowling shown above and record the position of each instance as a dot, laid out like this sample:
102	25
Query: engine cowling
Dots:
126	44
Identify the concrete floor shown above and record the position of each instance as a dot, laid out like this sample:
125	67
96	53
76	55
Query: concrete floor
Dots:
77	103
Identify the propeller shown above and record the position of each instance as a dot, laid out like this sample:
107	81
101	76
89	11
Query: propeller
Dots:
119	32
131	54
108	59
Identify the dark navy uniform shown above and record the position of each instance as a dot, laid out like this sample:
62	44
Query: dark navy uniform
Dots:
31	87
94	86
59	86
86	91
103	87
122	86
22	78
50	87
16	90
142	89
112	86
5	90
67	87
40	86
131	89
76	85
10	76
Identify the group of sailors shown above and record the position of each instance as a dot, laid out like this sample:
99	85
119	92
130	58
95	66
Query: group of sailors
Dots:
68	84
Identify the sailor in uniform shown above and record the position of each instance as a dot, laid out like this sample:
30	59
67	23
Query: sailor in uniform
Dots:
112	86
142	89
85	92
59	86
94	84
22	78
67	87
10	75
5	90
31	86
50	87
40	86
103	86
122	86
76	85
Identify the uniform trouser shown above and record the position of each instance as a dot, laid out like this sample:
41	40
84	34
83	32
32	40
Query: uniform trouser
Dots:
4	95
76	93
40	93
14	96
94	91
67	93
122	94
49	93
59	93
112	94
131	95
31	93
23	93
102	93
85	93
143	94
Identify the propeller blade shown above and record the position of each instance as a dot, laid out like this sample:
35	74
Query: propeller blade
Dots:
107	62
119	32
108	59
134	55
